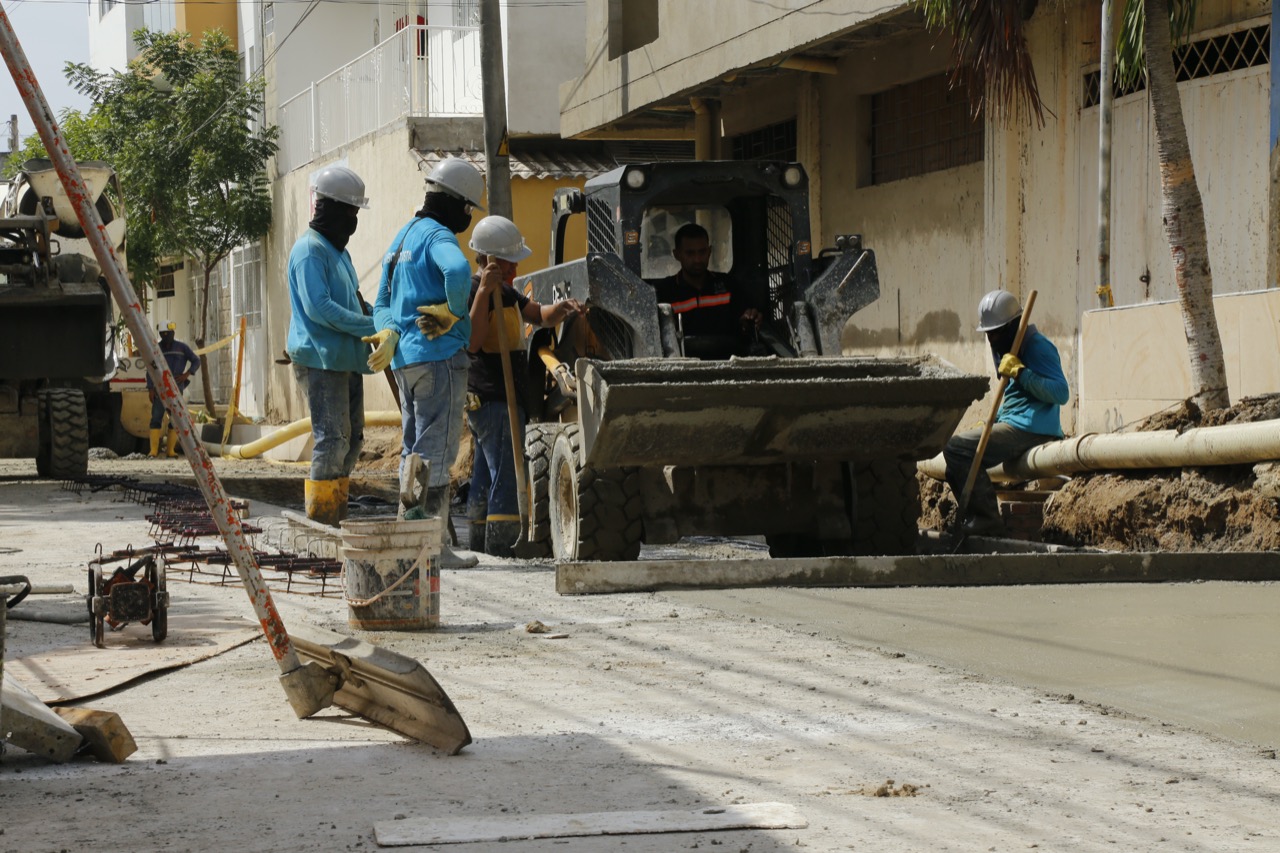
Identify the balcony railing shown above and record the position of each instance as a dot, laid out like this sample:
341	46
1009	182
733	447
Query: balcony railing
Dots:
420	72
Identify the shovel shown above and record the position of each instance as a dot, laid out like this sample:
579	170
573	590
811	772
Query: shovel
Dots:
373	683
962	507
523	549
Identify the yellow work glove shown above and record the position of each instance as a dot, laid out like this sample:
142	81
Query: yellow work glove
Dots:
435	320
1010	366
384	349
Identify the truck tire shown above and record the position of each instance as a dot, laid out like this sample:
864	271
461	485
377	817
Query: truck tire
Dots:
595	513
63	434
539	440
888	514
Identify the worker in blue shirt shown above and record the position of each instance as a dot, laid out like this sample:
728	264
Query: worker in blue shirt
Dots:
424	329
1028	416
326	328
183	364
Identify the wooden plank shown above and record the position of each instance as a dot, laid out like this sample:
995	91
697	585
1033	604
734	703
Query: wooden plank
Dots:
103	731
463	830
990	569
27	723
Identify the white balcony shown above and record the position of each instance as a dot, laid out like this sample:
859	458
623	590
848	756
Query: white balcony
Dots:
420	72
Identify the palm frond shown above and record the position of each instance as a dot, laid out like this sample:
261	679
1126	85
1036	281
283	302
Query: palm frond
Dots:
1131	63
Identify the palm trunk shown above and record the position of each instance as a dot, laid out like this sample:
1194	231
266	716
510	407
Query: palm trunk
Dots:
1183	213
206	381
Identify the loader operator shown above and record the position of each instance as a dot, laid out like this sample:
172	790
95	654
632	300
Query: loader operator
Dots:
183	363
421	314
1028	415
326	326
716	321
492	504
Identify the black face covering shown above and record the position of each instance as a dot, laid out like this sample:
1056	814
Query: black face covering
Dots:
1001	339
336	221
450	211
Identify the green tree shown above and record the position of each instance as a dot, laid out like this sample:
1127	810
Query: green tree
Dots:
185	135
990	50
79	131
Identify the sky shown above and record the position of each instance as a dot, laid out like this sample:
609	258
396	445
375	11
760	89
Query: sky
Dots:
52	33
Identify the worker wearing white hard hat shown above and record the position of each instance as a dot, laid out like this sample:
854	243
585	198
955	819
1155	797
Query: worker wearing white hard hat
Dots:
426	276
1029	415
183	364
328	328
492	502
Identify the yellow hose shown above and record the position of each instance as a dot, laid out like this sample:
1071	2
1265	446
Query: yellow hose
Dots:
287	432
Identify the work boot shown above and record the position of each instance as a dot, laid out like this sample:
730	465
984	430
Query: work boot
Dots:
437	504
983	525
344	496
172	450
321	498
155	444
502	538
477	512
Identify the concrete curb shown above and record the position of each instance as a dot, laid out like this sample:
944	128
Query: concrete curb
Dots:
587	578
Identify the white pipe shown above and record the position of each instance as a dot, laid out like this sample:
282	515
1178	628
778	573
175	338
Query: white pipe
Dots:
259	446
1230	444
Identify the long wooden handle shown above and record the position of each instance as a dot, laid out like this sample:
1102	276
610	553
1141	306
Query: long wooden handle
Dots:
508	382
991	418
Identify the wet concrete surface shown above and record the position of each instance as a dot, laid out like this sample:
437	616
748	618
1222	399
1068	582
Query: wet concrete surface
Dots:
1201	655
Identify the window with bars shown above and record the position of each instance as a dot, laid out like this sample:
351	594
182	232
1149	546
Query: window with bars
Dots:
775	142
921	127
1220	54
246	288
165	281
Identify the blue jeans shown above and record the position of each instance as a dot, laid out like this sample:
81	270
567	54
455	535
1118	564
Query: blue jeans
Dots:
336	400
432	394
157	407
493	476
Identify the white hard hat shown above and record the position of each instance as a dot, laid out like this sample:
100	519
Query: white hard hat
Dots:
166	327
498	237
996	309
341	184
458	178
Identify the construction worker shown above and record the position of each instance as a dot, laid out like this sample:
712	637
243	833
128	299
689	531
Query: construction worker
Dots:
1028	416
183	363
326	330
426	277
713	318
492	504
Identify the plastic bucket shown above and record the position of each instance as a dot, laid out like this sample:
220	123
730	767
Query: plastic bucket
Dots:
392	587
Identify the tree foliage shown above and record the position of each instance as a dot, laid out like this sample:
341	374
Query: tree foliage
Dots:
79	131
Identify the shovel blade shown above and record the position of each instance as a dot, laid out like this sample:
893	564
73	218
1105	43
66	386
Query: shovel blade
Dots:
386	688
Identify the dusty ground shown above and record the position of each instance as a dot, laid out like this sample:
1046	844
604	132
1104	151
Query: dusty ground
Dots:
1234	508
650	702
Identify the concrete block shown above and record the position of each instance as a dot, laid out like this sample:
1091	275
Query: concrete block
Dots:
27	723
104	732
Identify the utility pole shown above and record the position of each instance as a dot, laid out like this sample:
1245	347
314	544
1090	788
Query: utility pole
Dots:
493	79
13	133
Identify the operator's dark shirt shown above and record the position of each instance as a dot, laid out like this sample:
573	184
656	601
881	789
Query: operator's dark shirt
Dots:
484	379
713	310
180	359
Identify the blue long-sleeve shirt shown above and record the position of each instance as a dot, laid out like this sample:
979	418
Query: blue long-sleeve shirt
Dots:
327	319
1033	401
431	269
180	359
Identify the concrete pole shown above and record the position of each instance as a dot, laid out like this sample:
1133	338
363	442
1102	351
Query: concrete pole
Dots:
493	79
1273	205
1105	98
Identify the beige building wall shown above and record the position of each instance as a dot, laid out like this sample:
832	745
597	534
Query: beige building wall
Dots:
199	18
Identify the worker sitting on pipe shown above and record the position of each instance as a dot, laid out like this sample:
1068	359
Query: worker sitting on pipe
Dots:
492	503
714	319
1028	416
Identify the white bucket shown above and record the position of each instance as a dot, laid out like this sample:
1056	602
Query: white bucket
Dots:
392	586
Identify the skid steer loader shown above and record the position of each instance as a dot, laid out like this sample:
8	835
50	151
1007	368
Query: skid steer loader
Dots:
632	440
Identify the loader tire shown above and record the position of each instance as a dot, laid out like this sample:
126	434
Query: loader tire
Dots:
888	507
595	513
63	438
539	440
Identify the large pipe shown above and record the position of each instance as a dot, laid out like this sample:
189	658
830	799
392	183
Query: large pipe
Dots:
1230	444
259	446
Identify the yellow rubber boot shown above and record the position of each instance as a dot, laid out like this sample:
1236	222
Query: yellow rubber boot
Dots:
344	493
155	443
322	498
173	444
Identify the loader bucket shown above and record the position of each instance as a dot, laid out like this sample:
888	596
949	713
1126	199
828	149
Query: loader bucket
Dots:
766	411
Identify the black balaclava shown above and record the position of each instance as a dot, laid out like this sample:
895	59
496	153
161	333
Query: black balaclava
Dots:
449	210
335	221
1001	339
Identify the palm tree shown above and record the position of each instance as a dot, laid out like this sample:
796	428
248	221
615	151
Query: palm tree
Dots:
991	57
